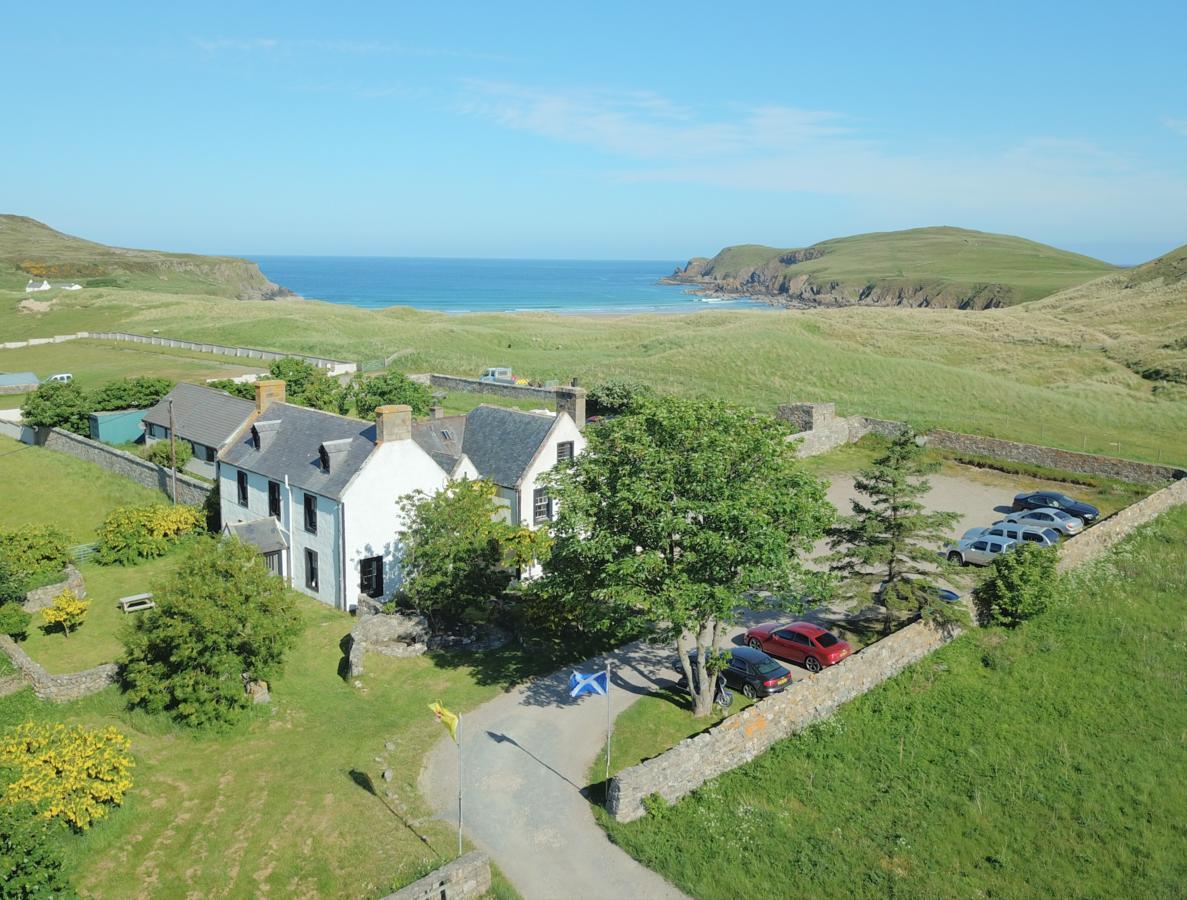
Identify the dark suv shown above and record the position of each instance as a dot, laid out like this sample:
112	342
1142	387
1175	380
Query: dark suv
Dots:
750	671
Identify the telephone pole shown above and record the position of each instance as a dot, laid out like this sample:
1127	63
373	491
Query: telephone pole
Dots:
172	451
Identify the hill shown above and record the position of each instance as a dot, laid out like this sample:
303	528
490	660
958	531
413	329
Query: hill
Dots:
939	267
31	249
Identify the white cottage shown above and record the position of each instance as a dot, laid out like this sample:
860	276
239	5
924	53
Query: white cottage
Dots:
34	285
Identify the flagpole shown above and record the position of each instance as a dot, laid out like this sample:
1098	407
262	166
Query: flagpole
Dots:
459	785
609	725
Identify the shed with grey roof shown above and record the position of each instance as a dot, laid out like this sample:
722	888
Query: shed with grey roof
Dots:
205	417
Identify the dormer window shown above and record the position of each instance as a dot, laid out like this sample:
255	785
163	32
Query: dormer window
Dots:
255	437
324	456
331	453
262	432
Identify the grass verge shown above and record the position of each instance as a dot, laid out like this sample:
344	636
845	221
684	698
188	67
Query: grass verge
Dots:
1047	761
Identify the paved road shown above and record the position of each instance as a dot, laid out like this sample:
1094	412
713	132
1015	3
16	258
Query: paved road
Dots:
525	757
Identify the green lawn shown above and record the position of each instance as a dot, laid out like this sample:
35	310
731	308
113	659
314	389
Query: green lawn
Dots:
97	639
281	806
44	487
94	363
1046	762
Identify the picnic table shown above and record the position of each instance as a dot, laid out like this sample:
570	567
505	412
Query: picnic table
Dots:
136	603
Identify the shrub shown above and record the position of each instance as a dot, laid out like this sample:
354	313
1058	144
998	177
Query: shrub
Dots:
14	621
33	552
388	388
1020	585
244	389
130	534
11	590
158	452
68	611
222	619
72	772
57	404
616	395
30	859
130	393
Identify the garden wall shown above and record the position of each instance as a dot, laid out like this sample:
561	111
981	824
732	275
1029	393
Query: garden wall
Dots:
58	688
43	597
1094	541
742	737
337	366
563	398
189	490
466	878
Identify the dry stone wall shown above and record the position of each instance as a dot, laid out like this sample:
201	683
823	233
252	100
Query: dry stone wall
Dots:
43	597
1095	541
742	737
465	878
189	490
58	688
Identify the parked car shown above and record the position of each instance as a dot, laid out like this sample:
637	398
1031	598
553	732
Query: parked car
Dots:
497	375
977	550
1044	537
63	377
1086	512
808	644
1063	522
947	595
751	672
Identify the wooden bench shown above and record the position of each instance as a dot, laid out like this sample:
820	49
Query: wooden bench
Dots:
136	603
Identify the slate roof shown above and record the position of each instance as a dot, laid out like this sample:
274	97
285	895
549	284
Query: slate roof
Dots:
263	534
202	414
500	442
291	448
18	378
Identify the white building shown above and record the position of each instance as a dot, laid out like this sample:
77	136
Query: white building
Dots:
35	285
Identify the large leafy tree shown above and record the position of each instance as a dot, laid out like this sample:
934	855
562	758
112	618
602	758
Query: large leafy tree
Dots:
457	555
130	393
57	404
309	385
891	537
220	620
388	388
676	510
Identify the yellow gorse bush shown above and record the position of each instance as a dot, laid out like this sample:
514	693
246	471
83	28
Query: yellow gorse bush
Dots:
133	533
68	611
69	772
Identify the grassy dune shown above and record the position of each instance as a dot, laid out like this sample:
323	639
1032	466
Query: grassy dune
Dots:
1045	762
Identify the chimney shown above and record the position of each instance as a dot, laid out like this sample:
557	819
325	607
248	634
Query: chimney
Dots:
436	412
268	392
393	423
571	400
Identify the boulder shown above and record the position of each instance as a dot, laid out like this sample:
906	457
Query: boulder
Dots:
394	634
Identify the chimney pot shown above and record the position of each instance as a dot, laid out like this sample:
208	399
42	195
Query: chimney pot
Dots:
268	391
436	412
393	423
571	400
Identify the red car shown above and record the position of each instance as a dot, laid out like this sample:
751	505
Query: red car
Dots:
809	645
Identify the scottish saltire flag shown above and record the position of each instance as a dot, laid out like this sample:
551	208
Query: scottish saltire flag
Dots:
588	684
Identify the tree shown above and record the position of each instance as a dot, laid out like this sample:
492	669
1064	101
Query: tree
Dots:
309	385
297	374
68	611
130	393
616	395
891	537
14	621
159	452
1021	584
456	555
12	589
675	512
32	552
30	858
222	619
71	772
388	388
244	389
57	404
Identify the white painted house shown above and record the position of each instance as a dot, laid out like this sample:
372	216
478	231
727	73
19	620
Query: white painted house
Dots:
34	285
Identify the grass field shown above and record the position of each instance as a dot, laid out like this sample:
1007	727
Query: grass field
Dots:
928	256
42	487
94	363
293	803
1058	371
1045	762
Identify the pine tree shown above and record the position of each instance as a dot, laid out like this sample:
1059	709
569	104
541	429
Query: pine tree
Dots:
891	537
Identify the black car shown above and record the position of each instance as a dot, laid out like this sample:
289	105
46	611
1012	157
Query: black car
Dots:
1056	500
750	671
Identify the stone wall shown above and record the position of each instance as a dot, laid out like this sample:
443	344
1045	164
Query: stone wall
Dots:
19	388
818	428
58	688
465	878
1051	457
43	597
742	737
563	398
33	342
189	490
337	366
1095	541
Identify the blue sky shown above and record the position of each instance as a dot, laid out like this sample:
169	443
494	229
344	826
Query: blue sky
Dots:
609	130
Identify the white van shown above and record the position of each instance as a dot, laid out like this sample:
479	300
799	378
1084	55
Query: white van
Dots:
63	377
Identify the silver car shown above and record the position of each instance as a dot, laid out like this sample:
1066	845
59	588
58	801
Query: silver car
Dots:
1049	517
1044	537
977	550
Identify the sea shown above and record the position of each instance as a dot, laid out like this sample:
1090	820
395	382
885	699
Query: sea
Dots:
583	287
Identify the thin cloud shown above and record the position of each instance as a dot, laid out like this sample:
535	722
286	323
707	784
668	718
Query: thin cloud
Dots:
1178	126
244	45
